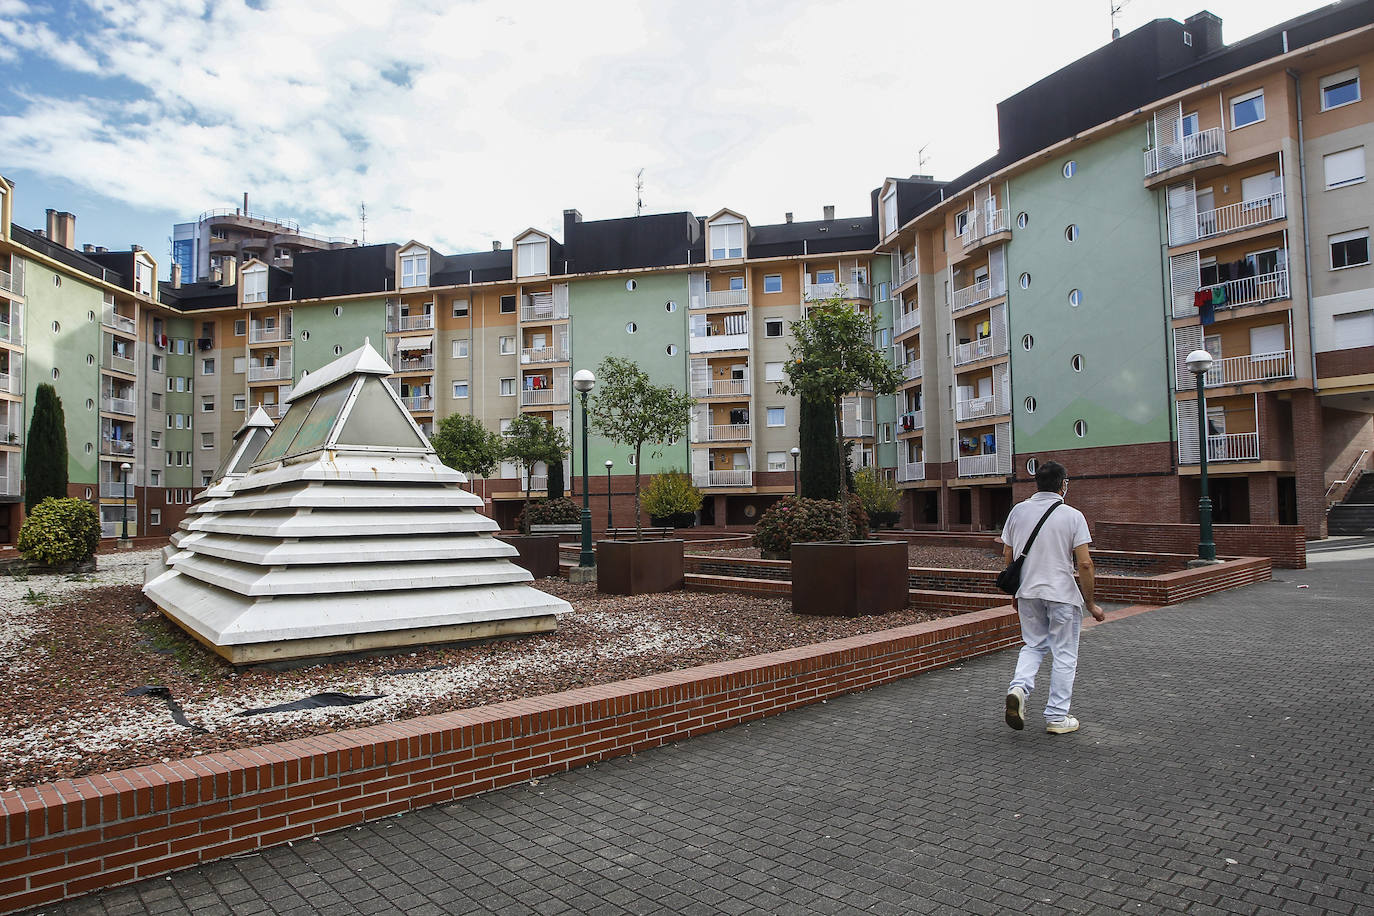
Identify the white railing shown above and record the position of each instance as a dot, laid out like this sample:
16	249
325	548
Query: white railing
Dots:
719	297
1253	290
978	465
717	343
545	311
418	402
911	421
975	408
536	397
983	348
855	427
852	290
911	370
1356	470
905	321
259	333
120	447
11	283
728	432
118	405
1204	143
972	295
1243	215
1233	447
544	355
6	330
112	319
116	529
727	387
411	322
723	478
1241	370
278	370
9	384
981	225
6	431
909	471
118	363
413	363
906	271
9	477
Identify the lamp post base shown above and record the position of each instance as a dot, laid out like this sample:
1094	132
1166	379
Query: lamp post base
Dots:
124	544
582	575
1194	564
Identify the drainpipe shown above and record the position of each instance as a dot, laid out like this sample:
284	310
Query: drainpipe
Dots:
1306	235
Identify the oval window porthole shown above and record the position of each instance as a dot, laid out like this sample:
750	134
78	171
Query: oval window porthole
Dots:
338	350
670	306
1075	297
90	359
89	448
56	372
1030	405
1032	466
305	335
630	285
1071	232
56	280
1022	220
1025	281
90	316
90	403
56	328
1080	428
631	327
1070	169
1027	342
671	349
1077	362
338	310
89	493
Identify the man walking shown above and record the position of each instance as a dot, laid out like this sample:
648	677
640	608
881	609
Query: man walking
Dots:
1049	601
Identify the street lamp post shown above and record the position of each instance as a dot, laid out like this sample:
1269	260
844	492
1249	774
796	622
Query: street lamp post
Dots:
794	453
583	381
126	467
609	523
1199	362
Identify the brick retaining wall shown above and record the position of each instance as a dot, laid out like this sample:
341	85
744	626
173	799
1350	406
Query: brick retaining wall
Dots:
74	836
1286	545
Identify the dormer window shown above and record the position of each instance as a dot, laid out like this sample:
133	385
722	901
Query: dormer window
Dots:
415	268
727	238
532	256
255	284
143	277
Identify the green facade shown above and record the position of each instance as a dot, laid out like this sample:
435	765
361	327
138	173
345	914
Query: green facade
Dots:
1118	329
177	366
885	406
318	328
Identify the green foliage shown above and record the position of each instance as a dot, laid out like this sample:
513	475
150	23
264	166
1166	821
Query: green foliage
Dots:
464	444
548	512
529	440
629	409
795	519
819	470
875	494
45	461
671	493
60	531
555	490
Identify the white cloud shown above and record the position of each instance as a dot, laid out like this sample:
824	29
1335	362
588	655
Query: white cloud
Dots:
459	123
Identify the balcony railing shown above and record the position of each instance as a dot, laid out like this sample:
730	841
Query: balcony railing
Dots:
906	271
978	465
721	387
1204	143
118	447
118	405
905	321
1234	217
909	471
728	432
1253	290
413	363
418	402
9	332
742	478
118	363
911	421
6	430
112	319
722	297
536	397
977	408
543	311
544	355
260	333
856	428
11	283
974	294
1242	370
1233	447
9	477
278	370
983	348
9	384
717	343
851	290
911	370
411	322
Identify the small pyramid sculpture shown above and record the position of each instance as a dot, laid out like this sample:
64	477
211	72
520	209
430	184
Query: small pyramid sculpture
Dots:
339	530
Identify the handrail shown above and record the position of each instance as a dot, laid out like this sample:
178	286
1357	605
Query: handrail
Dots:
1364	453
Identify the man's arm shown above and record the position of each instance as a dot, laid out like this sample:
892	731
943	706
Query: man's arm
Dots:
1086	582
1007	558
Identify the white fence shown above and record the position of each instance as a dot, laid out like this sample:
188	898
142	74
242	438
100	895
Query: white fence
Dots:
743	478
1209	142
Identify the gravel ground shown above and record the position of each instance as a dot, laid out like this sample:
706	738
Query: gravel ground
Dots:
923	557
73	648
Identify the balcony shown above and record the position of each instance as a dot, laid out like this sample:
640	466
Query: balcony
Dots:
741	478
543	355
1201	145
984	224
9	332
717	343
856	428
978	408
278	371
544	310
118	363
112	404
911	421
1242	370
721	387
119	448
7	430
12	283
112	319
423	363
1243	215
969	296
911	371
273	333
728	432
906	272
418	403
978	465
1252	290
721	297
982	348
1230	447
905	321
9	475
10	384
542	397
852	290
114	489
911	471
423	322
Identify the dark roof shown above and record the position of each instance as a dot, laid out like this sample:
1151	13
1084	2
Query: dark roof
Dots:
196	296
654	240
343	271
117	264
825	236
76	260
473	267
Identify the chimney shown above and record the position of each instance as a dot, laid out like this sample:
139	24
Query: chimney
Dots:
88	248
135	247
787	216
495	246
570	218
228	272
245	203
62	228
829	211
1206	31
176	276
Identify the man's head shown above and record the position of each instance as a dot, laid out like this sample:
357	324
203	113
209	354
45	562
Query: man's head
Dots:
1050	477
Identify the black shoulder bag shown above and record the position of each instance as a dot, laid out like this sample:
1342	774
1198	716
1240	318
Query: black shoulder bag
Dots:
1009	579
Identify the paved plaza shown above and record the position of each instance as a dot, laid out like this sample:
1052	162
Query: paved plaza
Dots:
1224	766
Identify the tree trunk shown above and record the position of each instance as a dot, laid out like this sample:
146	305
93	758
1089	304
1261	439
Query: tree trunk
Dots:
844	488
639	530
525	510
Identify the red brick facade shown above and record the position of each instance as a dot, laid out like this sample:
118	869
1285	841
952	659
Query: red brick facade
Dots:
1284	544
1338	363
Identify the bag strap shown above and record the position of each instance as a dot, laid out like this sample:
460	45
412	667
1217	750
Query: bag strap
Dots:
1044	518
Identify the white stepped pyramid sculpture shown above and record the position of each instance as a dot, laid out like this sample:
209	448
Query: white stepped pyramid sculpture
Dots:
343	533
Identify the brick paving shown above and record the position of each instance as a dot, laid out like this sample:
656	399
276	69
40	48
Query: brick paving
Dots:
1224	766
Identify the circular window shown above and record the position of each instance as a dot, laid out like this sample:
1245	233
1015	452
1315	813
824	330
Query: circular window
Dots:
1080	428
1075	297
630	285
89	494
89	448
1032	466
56	280
631	460
90	403
1070	168
1025	281
56	372
1030	405
338	310
671	349
338	350
1027	342
631	327
90	359
750	511
1077	362
1071	232
670	306
305	335
90	316
56	328
1022	220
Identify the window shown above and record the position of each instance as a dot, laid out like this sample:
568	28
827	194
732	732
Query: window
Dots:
180	346
171	383
890	212
777	461
772	372
772	327
207	367
155	439
507	305
736	283
460	389
240	402
143	277
1030	405
532	257
157	363
207	405
1077	362
1340	89
507	387
460	308
240	362
1022	220
1354	329
670	306
1345	167
1070	169
180	419
155	516
631	327
727	238
1032	466
1267	339
459	348
1071	232
255	285
772	283
884	291
882	338
1075	297
181	382
884	432
1025	281
1080	428
240	327
155	477
415	269
631	285
825	276
205	478
1247	109
504	426
961	222
777	416
156	401
1256	190
1349	249
1027	342
506	346
207	440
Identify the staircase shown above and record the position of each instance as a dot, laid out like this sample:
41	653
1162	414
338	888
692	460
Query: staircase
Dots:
1355	514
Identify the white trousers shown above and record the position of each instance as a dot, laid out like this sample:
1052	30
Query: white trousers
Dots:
1048	626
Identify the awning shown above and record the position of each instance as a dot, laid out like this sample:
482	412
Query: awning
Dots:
416	343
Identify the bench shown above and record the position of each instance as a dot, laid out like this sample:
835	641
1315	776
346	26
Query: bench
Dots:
617	534
560	530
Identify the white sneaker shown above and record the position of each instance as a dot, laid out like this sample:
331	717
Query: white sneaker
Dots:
1016	708
1061	726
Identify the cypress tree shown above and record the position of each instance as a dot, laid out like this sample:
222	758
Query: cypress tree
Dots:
819	461
556	479
45	458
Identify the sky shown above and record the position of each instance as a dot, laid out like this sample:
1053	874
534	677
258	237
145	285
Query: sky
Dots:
460	123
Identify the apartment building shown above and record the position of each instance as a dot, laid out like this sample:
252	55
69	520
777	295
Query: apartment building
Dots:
202	249
1167	192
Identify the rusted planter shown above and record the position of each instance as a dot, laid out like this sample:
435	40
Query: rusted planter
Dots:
638	567
838	579
538	553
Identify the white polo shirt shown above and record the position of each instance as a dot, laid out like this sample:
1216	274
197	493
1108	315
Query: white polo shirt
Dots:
1048	570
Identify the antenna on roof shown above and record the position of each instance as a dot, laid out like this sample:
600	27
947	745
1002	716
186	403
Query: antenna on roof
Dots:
362	217
639	192
921	160
1116	6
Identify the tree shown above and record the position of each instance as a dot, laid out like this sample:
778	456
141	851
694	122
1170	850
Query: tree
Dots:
465	445
45	463
529	440
555	490
629	409
817	443
832	355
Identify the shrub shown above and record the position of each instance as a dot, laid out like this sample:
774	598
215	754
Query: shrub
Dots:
793	519
548	512
671	493
60	531
875	494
